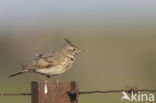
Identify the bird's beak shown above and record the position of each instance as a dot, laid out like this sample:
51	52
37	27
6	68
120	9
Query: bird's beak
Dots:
78	51
81	50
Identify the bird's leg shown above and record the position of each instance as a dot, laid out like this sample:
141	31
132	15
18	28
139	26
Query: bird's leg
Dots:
57	81
43	78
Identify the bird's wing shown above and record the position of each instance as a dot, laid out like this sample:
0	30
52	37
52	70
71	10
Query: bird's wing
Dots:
38	62
38	56
50	58
41	61
43	56
32	66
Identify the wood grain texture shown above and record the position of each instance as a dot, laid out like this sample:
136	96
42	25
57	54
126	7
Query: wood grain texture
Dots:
65	92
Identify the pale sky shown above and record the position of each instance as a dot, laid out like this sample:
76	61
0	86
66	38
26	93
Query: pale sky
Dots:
77	12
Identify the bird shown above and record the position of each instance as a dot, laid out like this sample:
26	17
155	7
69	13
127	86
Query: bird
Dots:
51	64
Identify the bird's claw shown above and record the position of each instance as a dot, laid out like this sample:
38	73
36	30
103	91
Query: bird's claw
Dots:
58	82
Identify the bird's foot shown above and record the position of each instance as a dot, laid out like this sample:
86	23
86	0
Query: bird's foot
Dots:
45	81
58	82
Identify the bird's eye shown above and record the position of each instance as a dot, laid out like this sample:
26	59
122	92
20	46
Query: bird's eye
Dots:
74	49
72	59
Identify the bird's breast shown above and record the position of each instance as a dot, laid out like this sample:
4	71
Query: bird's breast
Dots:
63	65
68	61
52	70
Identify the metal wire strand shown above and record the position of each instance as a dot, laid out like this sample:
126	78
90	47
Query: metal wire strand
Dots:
87	92
117	91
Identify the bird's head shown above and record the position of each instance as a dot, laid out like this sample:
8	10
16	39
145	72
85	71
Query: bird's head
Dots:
71	49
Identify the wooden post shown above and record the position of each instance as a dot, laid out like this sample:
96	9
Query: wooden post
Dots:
65	92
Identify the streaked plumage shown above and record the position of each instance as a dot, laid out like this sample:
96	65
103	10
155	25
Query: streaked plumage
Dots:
52	64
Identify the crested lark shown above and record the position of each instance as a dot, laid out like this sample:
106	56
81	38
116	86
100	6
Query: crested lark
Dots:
52	64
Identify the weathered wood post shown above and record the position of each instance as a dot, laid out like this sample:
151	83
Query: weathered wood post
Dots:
65	92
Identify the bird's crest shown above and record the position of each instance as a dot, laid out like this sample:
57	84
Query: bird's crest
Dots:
68	42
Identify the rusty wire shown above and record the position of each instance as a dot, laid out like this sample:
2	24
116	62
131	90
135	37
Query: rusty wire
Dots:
118	91
15	94
87	92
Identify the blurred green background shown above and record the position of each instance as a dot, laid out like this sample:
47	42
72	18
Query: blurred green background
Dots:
119	39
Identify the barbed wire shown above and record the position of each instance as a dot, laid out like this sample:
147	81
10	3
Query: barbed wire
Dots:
88	92
15	94
118	91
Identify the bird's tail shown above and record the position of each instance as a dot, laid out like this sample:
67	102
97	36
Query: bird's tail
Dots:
17	73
